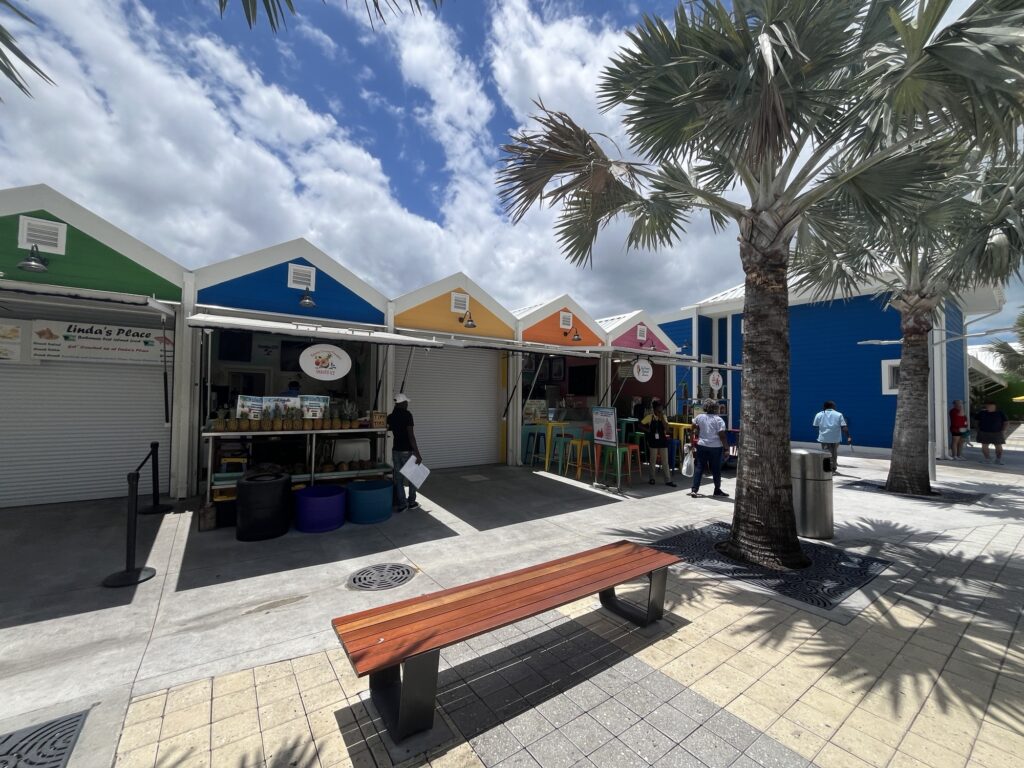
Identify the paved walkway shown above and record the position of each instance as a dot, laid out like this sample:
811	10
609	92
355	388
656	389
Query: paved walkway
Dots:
229	659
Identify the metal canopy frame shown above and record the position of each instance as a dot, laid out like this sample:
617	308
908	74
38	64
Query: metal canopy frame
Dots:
308	330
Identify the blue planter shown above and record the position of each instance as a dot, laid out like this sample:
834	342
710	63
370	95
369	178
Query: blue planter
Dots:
319	508
369	501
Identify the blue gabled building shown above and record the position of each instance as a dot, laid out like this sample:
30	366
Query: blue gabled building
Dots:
845	350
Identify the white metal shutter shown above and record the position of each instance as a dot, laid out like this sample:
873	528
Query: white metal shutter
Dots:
72	431
453	396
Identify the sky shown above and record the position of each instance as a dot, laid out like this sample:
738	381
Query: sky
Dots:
207	140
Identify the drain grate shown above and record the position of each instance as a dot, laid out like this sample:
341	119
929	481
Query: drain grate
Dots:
47	745
377	577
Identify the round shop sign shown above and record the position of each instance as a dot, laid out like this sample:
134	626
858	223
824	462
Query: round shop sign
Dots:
325	362
643	370
715	381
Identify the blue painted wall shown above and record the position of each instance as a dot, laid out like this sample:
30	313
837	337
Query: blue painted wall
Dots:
681	333
736	390
705	342
956	355
266	291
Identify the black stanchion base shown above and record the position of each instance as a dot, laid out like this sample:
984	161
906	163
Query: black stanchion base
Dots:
129	578
159	509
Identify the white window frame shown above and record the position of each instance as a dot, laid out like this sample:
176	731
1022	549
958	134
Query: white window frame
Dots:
887	366
458	296
62	234
292	283
641	333
565	321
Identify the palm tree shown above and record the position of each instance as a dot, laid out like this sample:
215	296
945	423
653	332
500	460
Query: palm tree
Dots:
275	11
1012	357
805	107
967	230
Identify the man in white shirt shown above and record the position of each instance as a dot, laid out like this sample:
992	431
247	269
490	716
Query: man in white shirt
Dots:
711	438
831	426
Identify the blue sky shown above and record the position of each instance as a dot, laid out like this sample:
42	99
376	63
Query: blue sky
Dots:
207	140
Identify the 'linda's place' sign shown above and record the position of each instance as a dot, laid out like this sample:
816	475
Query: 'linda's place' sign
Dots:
58	340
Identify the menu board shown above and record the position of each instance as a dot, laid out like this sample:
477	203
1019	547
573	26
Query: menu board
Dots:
61	340
249	407
606	431
314	406
10	343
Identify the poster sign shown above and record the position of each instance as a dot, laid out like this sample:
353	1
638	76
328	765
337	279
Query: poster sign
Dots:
314	406
625	370
606	431
715	381
281	403
10	343
249	407
325	362
643	370
60	340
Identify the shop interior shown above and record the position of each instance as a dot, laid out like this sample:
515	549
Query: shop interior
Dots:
559	388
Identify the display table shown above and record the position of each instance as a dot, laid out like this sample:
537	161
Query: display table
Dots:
228	479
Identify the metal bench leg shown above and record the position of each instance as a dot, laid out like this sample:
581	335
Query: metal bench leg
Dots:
655	601
405	699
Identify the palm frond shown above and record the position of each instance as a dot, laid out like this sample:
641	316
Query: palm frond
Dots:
1010	359
275	10
10	53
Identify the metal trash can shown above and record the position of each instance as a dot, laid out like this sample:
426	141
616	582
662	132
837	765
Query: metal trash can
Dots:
812	492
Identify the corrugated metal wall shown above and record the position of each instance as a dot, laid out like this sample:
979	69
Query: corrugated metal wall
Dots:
73	430
956	357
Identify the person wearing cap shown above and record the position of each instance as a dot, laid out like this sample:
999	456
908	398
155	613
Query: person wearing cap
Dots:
711	439
400	423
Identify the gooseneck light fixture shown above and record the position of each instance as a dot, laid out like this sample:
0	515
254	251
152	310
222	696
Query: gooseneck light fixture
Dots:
575	334
306	300
467	320
33	262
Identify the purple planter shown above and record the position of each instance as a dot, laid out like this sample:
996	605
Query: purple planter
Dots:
319	508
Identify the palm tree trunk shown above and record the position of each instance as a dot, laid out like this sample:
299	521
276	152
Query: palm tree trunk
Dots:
908	468
763	523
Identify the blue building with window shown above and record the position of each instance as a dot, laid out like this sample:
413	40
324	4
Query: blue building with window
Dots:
846	350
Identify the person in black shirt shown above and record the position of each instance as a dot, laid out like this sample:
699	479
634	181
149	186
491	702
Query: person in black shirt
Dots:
401	425
656	426
991	429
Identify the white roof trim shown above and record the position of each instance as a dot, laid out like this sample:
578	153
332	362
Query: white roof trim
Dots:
458	281
548	308
283	317
282	253
619	324
86	294
315	330
40	197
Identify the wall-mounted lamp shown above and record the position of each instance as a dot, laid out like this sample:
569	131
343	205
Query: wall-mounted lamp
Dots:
575	335
33	262
306	300
467	320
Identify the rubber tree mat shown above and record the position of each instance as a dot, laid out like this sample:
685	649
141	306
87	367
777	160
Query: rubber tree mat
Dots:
941	495
48	745
834	574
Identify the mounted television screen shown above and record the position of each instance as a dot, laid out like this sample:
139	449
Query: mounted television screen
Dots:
290	351
235	346
583	380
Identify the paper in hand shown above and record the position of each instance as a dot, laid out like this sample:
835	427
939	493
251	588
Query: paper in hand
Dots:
415	473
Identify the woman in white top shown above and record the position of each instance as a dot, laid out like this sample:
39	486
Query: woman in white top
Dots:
710	441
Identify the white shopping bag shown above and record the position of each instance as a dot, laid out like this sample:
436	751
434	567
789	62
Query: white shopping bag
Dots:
688	462
415	473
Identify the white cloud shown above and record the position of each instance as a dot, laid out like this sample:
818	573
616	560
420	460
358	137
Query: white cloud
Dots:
317	36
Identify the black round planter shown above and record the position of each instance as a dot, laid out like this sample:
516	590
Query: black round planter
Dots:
263	506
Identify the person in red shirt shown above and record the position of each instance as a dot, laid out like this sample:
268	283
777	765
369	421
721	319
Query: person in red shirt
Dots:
958	428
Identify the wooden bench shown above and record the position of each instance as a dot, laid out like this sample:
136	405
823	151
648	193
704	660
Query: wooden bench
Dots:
399	645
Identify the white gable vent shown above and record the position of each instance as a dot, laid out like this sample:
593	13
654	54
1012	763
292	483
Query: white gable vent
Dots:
641	333
48	236
565	321
460	302
302	277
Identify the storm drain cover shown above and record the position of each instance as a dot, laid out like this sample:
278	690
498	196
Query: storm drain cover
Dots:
377	577
47	745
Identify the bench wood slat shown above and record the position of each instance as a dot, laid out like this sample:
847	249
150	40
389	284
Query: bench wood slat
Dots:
453	603
372	616
586	580
470	610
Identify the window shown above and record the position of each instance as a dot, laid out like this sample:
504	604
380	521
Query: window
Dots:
641	333
48	236
890	377
565	321
460	303
301	277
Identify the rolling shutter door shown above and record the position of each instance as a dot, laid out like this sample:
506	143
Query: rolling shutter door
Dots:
453	397
72	431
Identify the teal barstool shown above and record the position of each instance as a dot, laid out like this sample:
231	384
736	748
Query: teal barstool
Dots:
533	442
560	444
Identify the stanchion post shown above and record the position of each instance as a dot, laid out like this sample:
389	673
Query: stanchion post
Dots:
131	575
157	508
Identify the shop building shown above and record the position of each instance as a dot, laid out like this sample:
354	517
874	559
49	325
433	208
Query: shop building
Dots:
632	337
90	323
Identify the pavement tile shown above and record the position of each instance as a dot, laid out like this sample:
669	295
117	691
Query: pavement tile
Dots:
662	686
473	720
677	757
993	757
143	757
494	745
614	716
190	746
459	756
521	759
930	753
611	681
864	746
291	741
139	735
236	681
234	728
182	720
723	684
731	728
232	703
769	753
559	710
797	738
555	751
267	672
281	711
322	696
639	700
671	722
615	754
529	726
282	687
694	706
586	733
586	695
188	695
710	748
834	757
751	711
243	753
145	709
647	741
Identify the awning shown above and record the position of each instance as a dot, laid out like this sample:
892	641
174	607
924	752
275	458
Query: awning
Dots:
529	347
982	377
314	330
660	357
